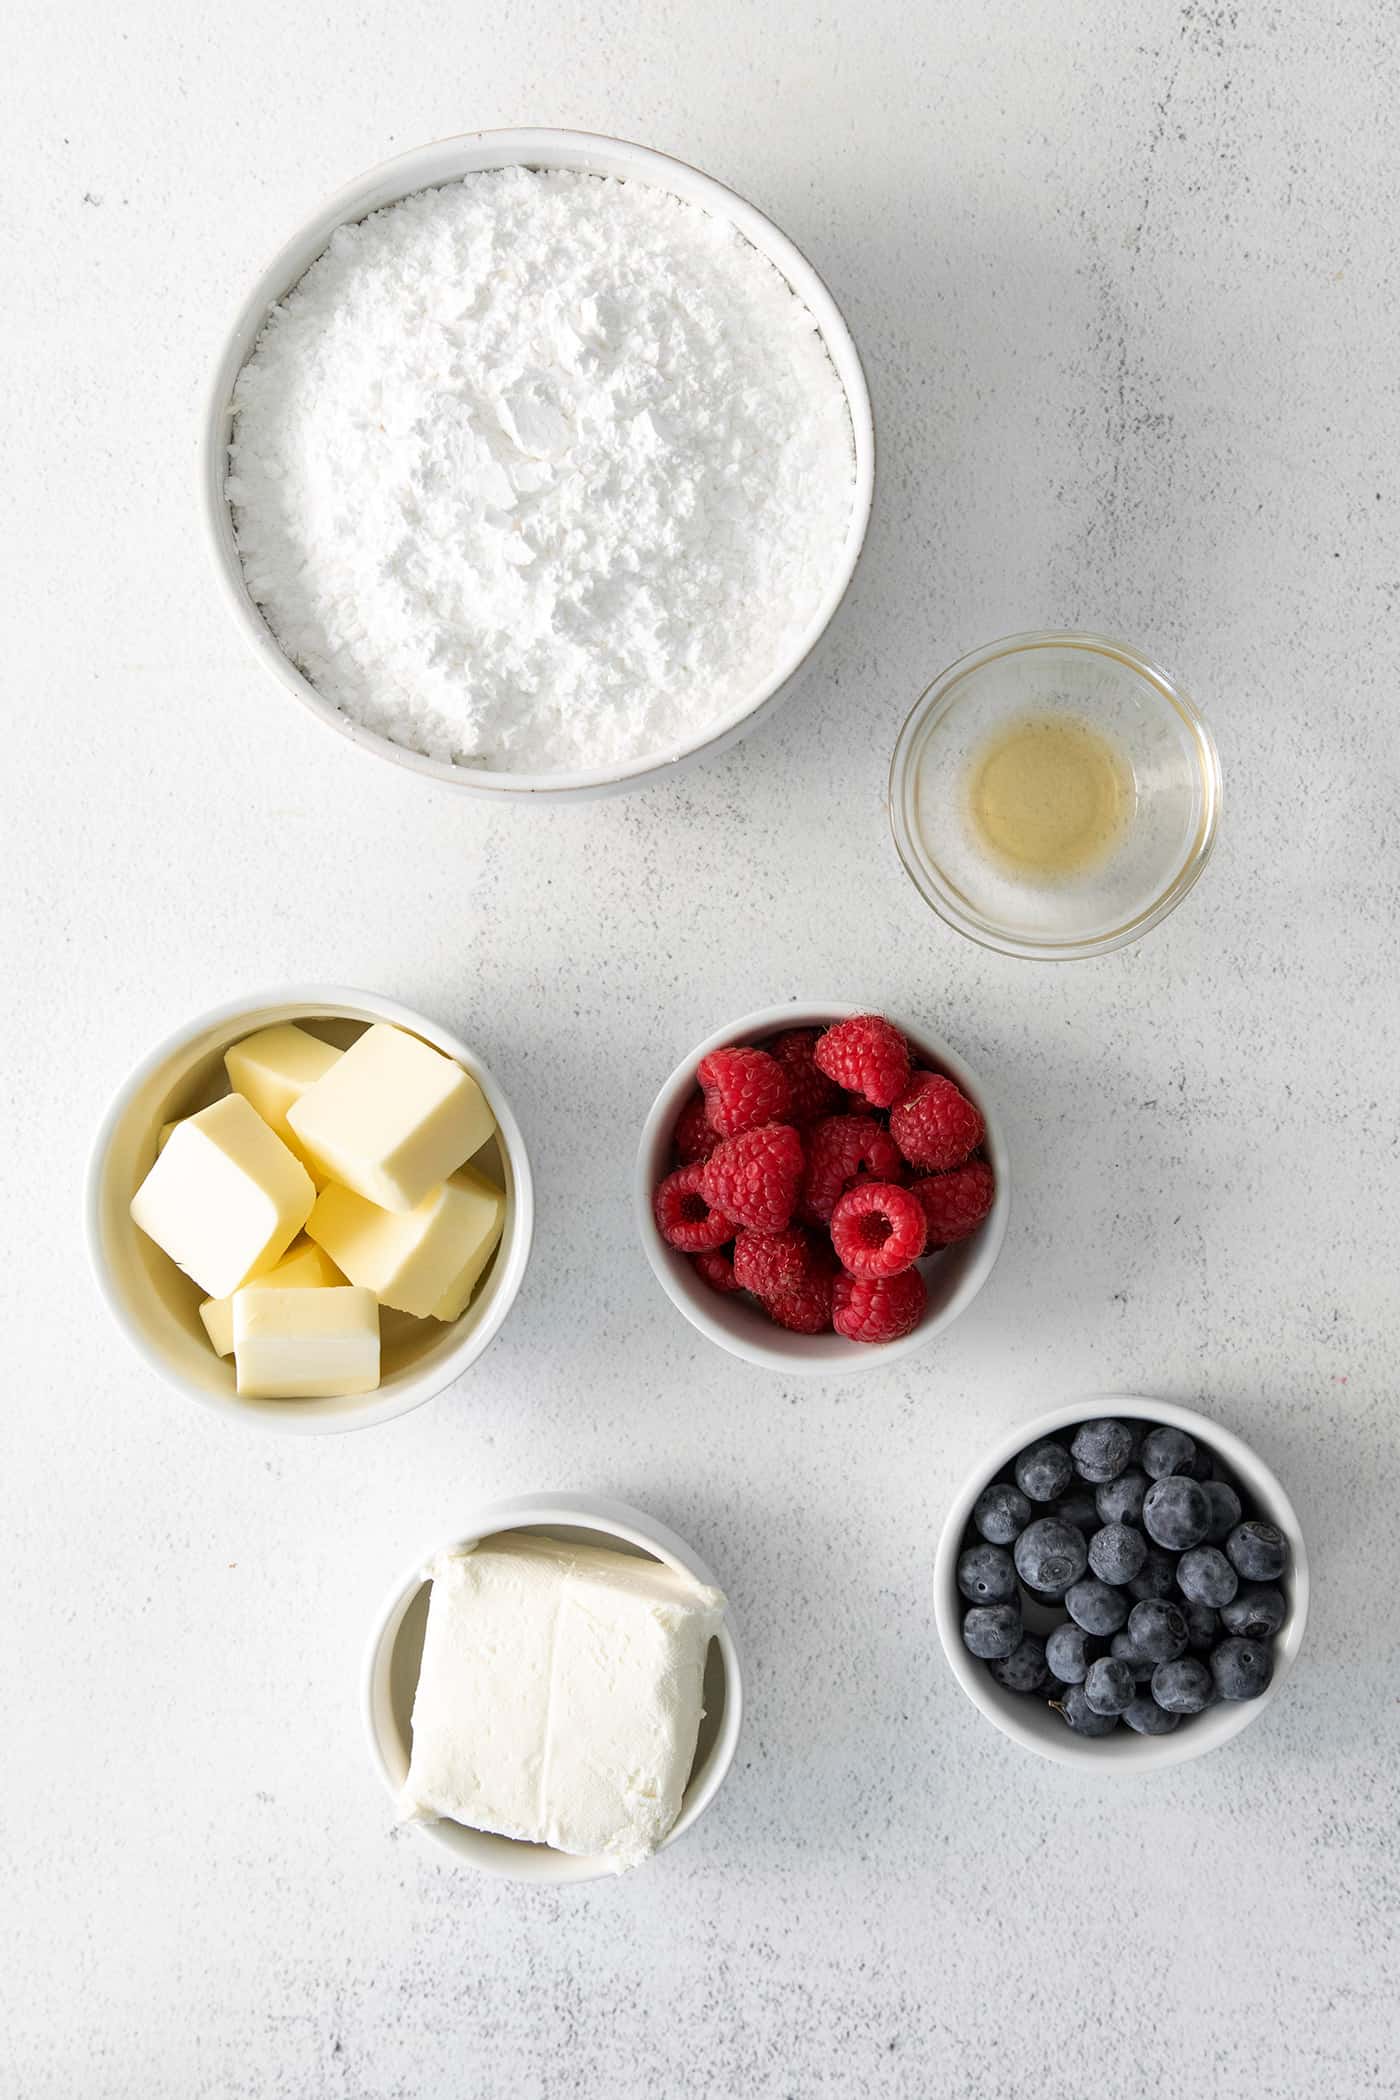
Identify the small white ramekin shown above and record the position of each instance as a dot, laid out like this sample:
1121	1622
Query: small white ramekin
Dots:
396	1645
448	160
954	1279
1029	1721
158	1308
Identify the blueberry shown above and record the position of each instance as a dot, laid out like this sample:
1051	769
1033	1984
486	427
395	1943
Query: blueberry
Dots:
1254	1612
1157	1630
1122	1650
1069	1652
1109	1686
1183	1686
1202	1628
1044	1471
1241	1669
1176	1512
1080	1509
1120	1501
1225	1511
991	1631
1050	1555
1117	1552
1146	1717
1023	1670
1157	1575
1000	1512
1081	1716
1101	1449
1166	1451
1095	1607
1259	1551
1204	1576
986	1574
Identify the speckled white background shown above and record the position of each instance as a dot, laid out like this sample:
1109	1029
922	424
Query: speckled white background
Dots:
1125	281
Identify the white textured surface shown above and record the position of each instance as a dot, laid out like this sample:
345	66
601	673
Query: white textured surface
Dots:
1127	296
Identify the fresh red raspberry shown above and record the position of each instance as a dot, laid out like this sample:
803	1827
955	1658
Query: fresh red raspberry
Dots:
684	1214
743	1088
867	1056
878	1308
841	1149
693	1137
878	1229
813	1094
717	1270
956	1203
806	1310
754	1177
771	1263
934	1124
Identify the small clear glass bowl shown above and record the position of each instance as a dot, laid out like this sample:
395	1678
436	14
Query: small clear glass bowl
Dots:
1161	741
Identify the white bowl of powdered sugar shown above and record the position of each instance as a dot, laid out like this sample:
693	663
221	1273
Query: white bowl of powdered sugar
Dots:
538	463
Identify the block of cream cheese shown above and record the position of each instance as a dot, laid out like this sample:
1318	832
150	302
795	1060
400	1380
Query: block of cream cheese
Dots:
225	1198
273	1069
424	1261
391	1119
304	1266
305	1344
559	1695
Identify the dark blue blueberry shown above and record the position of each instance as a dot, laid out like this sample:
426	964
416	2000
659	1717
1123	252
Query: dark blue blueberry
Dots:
1157	1575
1241	1669
1095	1607
1225	1511
1000	1512
1122	1650
1023	1670
1080	1509
1175	1512
1117	1553
1146	1717
1202	1628
1051	1555
1120	1501
1204	1576
1255	1612
986	1574
1183	1686
1044	1471
991	1631
1201	1467
1109	1686
1101	1449
1081	1716
1166	1451
1069	1652
1259	1551
1157	1630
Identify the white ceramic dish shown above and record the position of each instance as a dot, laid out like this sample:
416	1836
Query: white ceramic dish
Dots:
446	161
953	1280
1030	1722
158	1308
396	1647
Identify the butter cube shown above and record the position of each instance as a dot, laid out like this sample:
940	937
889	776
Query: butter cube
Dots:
305	1344
225	1199
425	1261
304	1266
391	1119
273	1069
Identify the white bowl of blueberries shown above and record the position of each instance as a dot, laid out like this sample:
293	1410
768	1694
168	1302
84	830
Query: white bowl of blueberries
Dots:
1123	1584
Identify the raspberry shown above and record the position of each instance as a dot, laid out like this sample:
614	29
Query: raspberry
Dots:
813	1094
878	1308
743	1088
693	1137
803	1311
684	1214
867	1056
771	1263
955	1204
839	1150
878	1230
934	1124
753	1178
717	1270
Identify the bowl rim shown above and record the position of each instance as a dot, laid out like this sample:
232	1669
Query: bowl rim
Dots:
609	1518
942	694
293	1417
426	167
1121	1755
782	1351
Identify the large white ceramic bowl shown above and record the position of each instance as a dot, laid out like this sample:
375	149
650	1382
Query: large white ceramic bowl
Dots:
158	1308
396	1647
446	161
1030	1722
954	1277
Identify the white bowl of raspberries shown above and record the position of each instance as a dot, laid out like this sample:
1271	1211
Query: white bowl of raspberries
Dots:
821	1189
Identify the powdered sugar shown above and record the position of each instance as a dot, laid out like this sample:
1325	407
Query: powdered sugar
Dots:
540	471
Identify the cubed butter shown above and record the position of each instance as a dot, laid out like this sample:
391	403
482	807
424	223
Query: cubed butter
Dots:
273	1069
391	1119
305	1344
425	1261
304	1266
225	1199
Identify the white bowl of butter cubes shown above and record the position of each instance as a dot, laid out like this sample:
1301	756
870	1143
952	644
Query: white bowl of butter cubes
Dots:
312	1210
